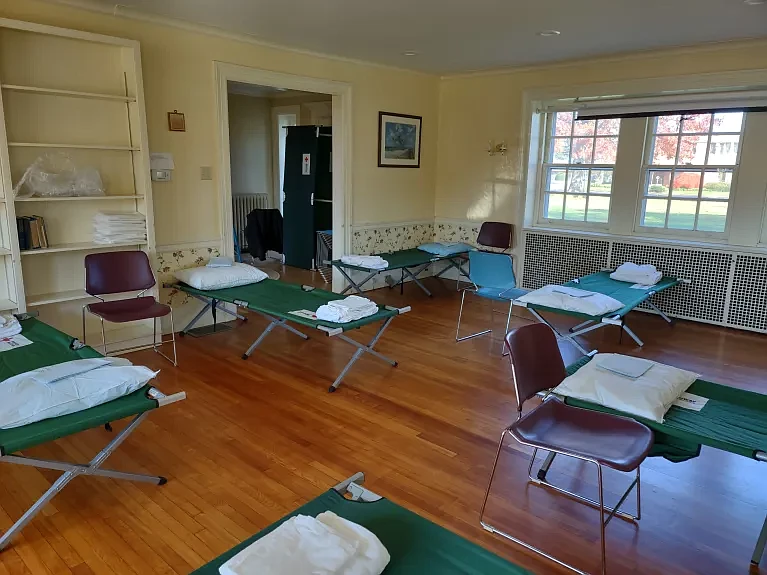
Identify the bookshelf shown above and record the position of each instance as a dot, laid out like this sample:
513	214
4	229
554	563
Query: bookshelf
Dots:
72	92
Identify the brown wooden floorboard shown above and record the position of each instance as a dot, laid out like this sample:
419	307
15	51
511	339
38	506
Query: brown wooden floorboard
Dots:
257	438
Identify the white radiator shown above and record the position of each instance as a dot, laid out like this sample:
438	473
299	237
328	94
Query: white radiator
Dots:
241	207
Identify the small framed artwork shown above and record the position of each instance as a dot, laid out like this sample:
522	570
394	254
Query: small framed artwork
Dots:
399	140
176	121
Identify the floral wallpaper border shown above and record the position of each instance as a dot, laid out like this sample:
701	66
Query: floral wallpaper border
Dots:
169	262
391	238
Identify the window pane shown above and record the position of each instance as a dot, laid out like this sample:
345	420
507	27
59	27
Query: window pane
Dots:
723	150
664	150
667	124
712	216
716	184
692	150
577	181
696	123
560	151
555	182
609	127
605	150
599	209
553	206
728	122
601	182
681	215
584	127
583	150
658	182
563	123
575	207
654	214
686	184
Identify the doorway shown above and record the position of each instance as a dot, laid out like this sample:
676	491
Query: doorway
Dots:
322	102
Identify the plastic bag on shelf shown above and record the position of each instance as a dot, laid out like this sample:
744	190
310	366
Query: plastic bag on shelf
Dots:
56	174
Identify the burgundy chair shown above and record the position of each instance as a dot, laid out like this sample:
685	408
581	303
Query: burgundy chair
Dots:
603	439
496	235
111	273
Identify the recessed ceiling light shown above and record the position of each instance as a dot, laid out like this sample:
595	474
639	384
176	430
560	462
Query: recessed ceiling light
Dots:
410	53
548	33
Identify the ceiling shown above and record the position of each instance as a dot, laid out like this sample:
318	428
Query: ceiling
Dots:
461	35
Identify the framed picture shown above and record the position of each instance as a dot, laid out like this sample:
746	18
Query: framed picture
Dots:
176	121
399	140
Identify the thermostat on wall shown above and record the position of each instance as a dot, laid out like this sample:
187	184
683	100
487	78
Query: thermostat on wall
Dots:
161	166
161	175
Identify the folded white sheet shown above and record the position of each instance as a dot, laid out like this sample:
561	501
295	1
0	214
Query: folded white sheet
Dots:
571	299
327	545
348	309
646	274
9	326
372	262
650	395
67	388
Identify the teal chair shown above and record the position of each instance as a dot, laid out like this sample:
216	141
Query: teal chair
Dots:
493	277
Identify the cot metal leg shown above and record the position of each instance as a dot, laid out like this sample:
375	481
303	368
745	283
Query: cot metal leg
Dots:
451	263
361	349
72	470
570	338
274	323
634	336
354	285
580	325
413	276
202	312
656	308
544	469
756	558
212	305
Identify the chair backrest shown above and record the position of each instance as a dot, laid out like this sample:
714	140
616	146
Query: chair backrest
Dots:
488	269
117	272
536	362
496	235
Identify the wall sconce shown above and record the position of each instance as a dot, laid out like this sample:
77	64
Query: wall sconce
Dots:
494	149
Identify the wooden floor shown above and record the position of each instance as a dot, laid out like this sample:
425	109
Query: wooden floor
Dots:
257	438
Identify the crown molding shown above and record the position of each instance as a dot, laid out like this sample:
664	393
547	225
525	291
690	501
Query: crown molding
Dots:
123	11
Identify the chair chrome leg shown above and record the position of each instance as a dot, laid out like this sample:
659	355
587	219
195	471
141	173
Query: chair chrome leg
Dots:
103	338
458	327
490	483
504	353
84	336
174	361
602	518
639	495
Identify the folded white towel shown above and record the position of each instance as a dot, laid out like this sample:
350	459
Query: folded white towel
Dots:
327	545
10	326
371	262
558	297
348	309
630	272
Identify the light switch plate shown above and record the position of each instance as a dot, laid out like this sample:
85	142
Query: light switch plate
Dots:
206	173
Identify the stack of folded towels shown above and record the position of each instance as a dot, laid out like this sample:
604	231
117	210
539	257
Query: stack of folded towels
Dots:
303	545
629	272
345	310
119	227
371	262
9	326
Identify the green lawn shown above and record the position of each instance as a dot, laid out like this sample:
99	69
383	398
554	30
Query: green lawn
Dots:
706	222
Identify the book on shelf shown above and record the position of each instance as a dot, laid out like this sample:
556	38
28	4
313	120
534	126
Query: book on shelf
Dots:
32	234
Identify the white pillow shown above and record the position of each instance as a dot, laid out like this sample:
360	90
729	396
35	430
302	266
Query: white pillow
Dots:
206	278
649	395
67	388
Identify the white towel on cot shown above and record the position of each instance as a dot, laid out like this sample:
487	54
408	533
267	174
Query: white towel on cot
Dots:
371	262
9	326
630	272
569	299
327	545
348	309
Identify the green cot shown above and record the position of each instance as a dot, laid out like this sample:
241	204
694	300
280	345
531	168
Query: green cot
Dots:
416	545
281	302
601	282
410	262
49	347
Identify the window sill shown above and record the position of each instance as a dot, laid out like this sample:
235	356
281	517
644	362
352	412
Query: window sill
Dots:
722	245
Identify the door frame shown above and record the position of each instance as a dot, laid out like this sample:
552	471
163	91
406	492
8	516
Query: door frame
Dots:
341	93
276	112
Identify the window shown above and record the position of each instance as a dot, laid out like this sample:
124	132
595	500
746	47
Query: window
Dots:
577	176
689	167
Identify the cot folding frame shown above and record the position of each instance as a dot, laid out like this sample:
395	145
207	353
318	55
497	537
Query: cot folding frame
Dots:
592	323
93	467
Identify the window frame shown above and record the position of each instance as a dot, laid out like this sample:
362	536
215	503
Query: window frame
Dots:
647	167
544	166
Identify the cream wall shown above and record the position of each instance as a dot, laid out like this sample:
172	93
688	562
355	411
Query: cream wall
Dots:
250	144
178	74
473	109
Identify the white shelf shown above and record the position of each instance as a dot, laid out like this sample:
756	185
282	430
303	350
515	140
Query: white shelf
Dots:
72	146
57	297
67	93
78	198
6	304
80	246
